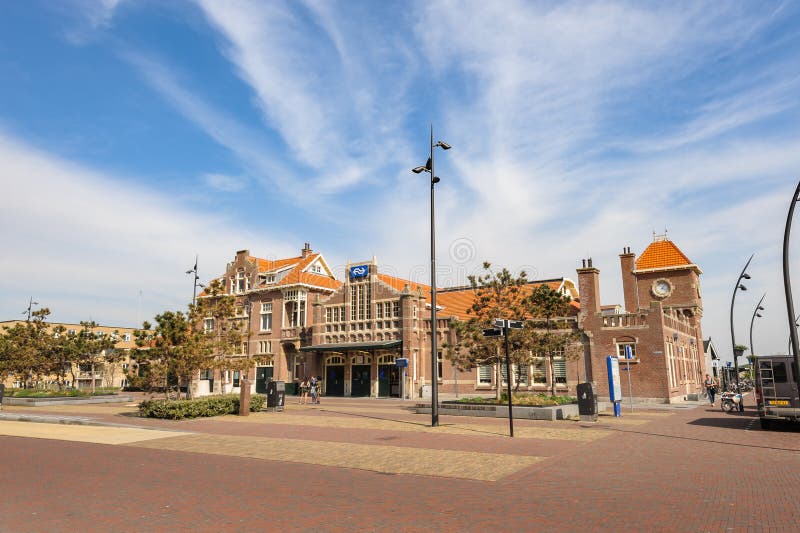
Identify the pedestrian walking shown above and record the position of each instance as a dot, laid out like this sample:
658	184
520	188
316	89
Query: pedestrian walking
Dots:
314	390
711	388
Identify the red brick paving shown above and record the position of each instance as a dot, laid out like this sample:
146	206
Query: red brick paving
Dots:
698	470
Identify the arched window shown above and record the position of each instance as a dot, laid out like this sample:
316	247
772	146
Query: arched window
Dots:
387	359
334	360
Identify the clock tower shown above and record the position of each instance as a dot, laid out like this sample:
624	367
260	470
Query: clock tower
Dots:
664	274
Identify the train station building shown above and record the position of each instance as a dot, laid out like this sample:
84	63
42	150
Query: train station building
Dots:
305	322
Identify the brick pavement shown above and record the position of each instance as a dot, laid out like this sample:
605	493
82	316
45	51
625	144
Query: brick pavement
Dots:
691	470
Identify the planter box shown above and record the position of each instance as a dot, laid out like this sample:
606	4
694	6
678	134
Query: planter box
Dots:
66	400
556	412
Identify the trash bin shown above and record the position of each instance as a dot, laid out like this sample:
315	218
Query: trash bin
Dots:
276	395
587	401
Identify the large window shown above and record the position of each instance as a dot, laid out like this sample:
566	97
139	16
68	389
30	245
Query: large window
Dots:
360	301
560	369
295	307
241	282
539	374
264	346
208	325
521	374
266	316
485	375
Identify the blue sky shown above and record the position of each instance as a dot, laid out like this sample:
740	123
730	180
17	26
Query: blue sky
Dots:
136	134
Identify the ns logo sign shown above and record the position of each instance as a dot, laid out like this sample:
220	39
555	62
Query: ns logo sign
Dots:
360	271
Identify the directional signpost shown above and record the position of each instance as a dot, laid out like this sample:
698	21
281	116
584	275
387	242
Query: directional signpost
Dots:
501	327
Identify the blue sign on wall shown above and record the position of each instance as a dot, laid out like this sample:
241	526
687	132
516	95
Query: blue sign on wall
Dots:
359	271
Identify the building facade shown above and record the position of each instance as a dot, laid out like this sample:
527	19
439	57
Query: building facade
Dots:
659	337
85	375
354	333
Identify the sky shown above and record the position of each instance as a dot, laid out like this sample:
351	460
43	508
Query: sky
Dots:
137	134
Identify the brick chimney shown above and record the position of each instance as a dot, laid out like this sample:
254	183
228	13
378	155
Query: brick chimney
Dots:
306	251
626	263
589	287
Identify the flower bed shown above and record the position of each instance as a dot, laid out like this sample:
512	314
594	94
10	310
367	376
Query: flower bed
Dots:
521	399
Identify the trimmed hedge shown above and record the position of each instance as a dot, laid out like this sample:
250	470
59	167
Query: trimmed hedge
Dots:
217	405
522	399
72	393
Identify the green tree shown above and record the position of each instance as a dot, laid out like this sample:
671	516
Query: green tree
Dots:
87	349
498	294
547	336
24	349
215	316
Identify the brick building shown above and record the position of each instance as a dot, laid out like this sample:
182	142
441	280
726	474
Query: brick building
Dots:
102	373
660	327
272	299
352	332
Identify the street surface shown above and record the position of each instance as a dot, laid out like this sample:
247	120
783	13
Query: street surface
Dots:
371	465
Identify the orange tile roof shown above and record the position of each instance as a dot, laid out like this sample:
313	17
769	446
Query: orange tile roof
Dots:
399	284
459	302
319	280
266	265
661	254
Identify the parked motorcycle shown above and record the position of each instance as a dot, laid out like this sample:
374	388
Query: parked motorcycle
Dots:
729	401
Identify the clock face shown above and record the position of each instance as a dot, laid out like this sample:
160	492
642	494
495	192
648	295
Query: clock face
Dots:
662	288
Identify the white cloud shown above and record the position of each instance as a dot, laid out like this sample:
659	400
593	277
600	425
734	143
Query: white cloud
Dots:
225	183
84	243
328	97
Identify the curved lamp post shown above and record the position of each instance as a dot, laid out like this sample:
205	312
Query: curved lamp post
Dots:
736	354
434	351
756	313
752	320
787	286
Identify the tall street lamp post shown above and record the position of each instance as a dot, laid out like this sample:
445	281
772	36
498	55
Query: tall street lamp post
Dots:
787	286
752	320
739	286
756	313
196	284
434	351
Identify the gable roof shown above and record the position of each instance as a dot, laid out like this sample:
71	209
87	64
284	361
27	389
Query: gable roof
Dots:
399	284
458	301
663	254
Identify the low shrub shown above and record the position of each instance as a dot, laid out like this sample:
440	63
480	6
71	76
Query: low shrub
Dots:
216	405
71	393
523	399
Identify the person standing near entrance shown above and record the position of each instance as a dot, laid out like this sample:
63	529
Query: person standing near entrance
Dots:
711	388
303	392
314	389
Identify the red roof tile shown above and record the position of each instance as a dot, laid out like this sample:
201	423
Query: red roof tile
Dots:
661	254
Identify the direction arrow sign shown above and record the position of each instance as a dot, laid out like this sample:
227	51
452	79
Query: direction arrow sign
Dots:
499	323
515	324
492	332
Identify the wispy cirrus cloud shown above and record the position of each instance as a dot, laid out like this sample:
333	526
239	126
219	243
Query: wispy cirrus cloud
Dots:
337	103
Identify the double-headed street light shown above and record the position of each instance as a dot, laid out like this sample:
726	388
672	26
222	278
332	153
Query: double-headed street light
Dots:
196	284
756	313
434	348
739	286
